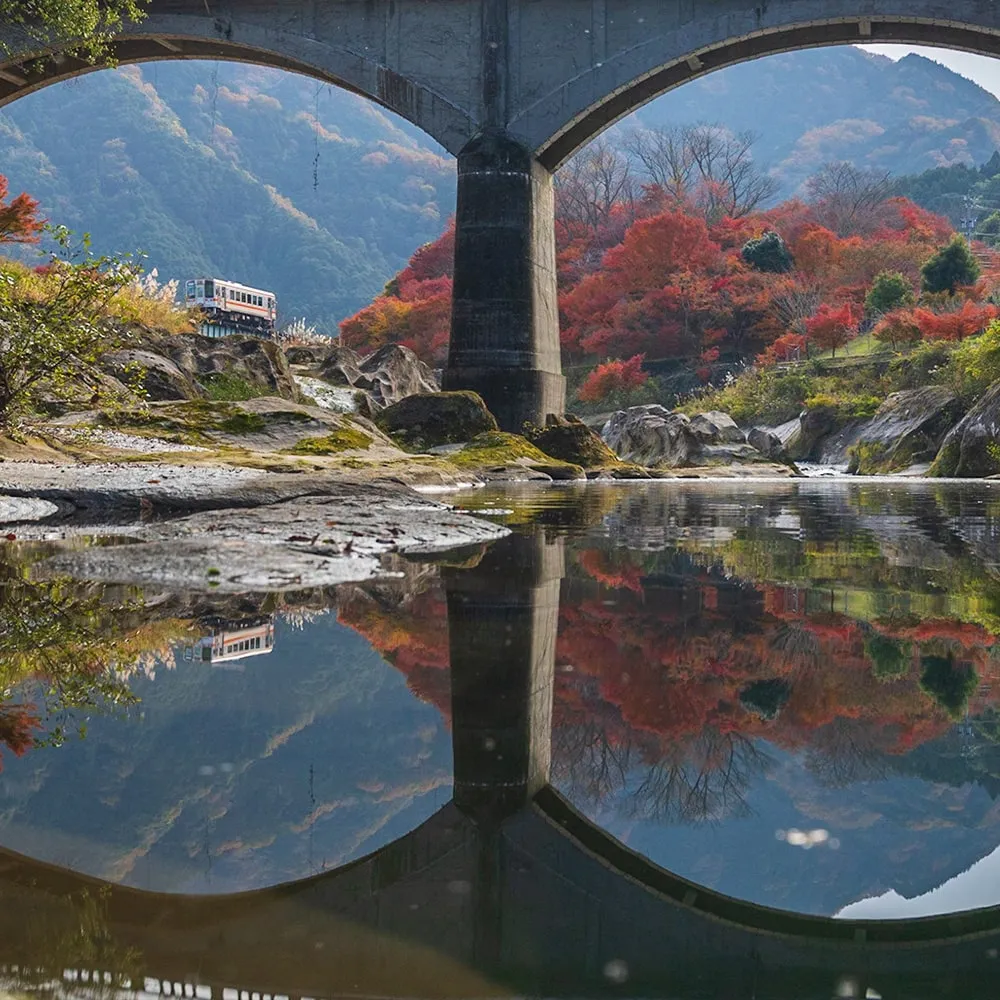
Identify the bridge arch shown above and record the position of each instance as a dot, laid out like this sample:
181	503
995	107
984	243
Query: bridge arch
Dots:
345	59
651	59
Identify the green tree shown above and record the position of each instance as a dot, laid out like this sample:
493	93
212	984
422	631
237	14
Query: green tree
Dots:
951	267
889	291
768	253
989	229
84	27
890	658
949	684
56	327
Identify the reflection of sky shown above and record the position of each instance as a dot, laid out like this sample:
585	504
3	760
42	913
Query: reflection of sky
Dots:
976	887
225	780
900	831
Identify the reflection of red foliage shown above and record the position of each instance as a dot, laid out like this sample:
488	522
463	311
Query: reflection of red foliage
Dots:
656	665
18	725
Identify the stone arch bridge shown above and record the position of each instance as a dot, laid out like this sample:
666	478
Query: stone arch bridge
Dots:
512	88
506	891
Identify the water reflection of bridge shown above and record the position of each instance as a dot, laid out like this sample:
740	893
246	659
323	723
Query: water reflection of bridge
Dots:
505	890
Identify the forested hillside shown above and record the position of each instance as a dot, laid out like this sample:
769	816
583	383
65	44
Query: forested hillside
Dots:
808	108
321	196
250	174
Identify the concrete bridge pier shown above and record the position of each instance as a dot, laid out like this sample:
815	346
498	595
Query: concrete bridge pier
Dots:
505	319
503	617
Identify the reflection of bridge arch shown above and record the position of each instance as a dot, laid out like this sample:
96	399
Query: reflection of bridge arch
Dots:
508	889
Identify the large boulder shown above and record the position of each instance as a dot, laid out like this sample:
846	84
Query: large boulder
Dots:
972	447
716	427
159	377
767	443
570	440
907	428
431	419
260	363
804	438
392	373
651	435
340	366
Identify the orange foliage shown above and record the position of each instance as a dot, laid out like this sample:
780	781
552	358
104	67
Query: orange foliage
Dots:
19	222
613	376
832	328
970	319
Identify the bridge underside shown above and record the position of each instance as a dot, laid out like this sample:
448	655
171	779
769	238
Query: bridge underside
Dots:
513	88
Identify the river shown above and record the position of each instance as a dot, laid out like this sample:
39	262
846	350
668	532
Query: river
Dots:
787	693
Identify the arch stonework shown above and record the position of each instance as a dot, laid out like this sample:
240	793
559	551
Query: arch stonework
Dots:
513	88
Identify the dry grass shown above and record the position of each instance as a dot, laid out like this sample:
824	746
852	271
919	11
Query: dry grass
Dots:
132	305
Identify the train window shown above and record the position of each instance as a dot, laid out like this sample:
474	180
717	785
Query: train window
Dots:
190	289
270	303
209	289
200	289
258	301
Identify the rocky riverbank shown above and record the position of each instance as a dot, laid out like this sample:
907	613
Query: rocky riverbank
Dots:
222	529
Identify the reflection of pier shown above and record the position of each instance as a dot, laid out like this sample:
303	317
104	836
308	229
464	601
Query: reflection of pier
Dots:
230	641
506	890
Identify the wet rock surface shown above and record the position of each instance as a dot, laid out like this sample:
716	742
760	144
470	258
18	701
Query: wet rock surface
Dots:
243	530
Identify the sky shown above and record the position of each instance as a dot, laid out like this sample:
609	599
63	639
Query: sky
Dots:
984	70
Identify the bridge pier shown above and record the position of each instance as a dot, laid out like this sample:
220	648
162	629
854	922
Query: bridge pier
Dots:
505	319
503	618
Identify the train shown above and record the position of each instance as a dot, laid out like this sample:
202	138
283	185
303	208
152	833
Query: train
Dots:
232	309
231	640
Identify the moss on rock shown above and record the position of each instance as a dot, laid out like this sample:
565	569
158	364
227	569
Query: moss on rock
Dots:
499	448
569	439
341	439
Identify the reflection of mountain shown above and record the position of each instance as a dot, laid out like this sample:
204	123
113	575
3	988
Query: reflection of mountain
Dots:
232	780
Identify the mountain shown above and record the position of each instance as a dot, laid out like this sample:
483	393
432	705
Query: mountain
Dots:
250	174
842	103
271	179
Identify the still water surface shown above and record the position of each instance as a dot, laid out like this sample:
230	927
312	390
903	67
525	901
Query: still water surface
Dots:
788	693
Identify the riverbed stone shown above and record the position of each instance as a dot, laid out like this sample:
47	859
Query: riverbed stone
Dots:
392	373
569	439
972	447
430	419
767	443
651	435
716	427
908	428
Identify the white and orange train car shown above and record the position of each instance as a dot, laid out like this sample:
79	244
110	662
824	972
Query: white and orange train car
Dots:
232	309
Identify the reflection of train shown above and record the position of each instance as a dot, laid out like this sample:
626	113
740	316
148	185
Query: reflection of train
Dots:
231	308
234	640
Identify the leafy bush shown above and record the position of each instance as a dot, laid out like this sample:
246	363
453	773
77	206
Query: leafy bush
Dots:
974	365
759	396
768	253
56	327
889	291
926	364
846	407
